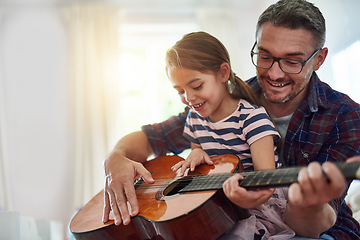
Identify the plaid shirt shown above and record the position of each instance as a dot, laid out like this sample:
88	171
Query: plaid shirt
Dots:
330	121
327	119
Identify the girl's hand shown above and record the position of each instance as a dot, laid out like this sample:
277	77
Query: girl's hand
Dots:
196	157
245	198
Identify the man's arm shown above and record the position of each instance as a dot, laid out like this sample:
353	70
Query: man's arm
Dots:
134	146
308	211
121	167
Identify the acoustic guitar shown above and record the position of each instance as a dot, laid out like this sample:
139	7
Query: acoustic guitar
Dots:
188	207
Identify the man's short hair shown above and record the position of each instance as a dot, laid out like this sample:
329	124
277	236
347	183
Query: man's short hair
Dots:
295	14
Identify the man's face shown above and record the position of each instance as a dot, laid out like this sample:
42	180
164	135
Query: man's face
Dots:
278	86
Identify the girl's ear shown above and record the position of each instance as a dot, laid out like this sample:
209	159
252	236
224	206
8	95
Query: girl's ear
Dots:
224	72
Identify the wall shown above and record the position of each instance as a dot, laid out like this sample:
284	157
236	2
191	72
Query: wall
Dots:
36	115
342	31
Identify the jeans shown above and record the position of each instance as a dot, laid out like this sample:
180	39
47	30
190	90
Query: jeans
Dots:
322	237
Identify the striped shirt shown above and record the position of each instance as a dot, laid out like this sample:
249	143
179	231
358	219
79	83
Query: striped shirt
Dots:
233	134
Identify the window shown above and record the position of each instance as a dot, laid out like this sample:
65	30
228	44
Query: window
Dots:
346	75
147	95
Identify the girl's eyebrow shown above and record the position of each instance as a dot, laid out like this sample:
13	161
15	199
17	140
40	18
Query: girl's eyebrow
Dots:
189	83
193	80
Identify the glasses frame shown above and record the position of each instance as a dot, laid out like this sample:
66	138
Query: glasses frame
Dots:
276	59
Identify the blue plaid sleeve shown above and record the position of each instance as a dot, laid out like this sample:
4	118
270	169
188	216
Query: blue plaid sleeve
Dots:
167	137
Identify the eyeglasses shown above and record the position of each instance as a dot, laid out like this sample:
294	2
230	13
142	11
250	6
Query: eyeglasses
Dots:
287	65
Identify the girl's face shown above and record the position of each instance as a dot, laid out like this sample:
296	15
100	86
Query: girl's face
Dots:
203	92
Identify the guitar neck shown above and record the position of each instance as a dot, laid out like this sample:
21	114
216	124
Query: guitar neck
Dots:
260	179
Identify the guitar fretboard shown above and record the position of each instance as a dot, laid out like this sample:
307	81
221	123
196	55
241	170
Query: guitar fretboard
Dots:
258	179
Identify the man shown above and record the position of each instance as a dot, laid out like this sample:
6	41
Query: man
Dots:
317	124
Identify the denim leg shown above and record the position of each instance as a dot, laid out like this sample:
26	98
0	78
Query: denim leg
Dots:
322	237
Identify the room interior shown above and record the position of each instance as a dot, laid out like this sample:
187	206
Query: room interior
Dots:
76	76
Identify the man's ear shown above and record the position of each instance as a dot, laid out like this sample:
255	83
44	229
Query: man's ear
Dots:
224	71
321	58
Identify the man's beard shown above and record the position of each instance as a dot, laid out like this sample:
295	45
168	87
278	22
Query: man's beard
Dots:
286	99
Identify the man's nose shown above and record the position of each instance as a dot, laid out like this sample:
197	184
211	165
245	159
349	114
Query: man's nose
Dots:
275	71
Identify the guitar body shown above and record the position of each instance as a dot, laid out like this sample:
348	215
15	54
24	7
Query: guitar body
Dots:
166	214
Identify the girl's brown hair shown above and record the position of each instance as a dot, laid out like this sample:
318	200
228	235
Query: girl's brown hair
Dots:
203	52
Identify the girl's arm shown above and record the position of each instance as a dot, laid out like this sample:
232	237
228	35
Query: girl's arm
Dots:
262	153
263	157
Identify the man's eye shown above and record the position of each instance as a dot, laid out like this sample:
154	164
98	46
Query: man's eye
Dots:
181	92
291	62
265	57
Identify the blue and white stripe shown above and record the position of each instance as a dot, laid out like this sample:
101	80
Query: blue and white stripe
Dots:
232	135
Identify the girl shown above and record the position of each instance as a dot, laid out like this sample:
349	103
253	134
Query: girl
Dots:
224	119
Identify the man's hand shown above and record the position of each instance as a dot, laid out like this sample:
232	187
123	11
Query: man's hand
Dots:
308	199
317	185
119	191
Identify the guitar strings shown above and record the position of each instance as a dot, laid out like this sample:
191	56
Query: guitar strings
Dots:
264	178
196	183
284	176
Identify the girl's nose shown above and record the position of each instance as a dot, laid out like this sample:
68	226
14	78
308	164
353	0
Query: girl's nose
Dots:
189	96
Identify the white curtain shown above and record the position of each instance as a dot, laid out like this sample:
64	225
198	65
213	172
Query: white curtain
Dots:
93	31
5	196
223	24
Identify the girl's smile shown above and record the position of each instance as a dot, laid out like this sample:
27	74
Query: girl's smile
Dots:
197	107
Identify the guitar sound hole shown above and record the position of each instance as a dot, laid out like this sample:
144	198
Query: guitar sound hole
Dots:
176	186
